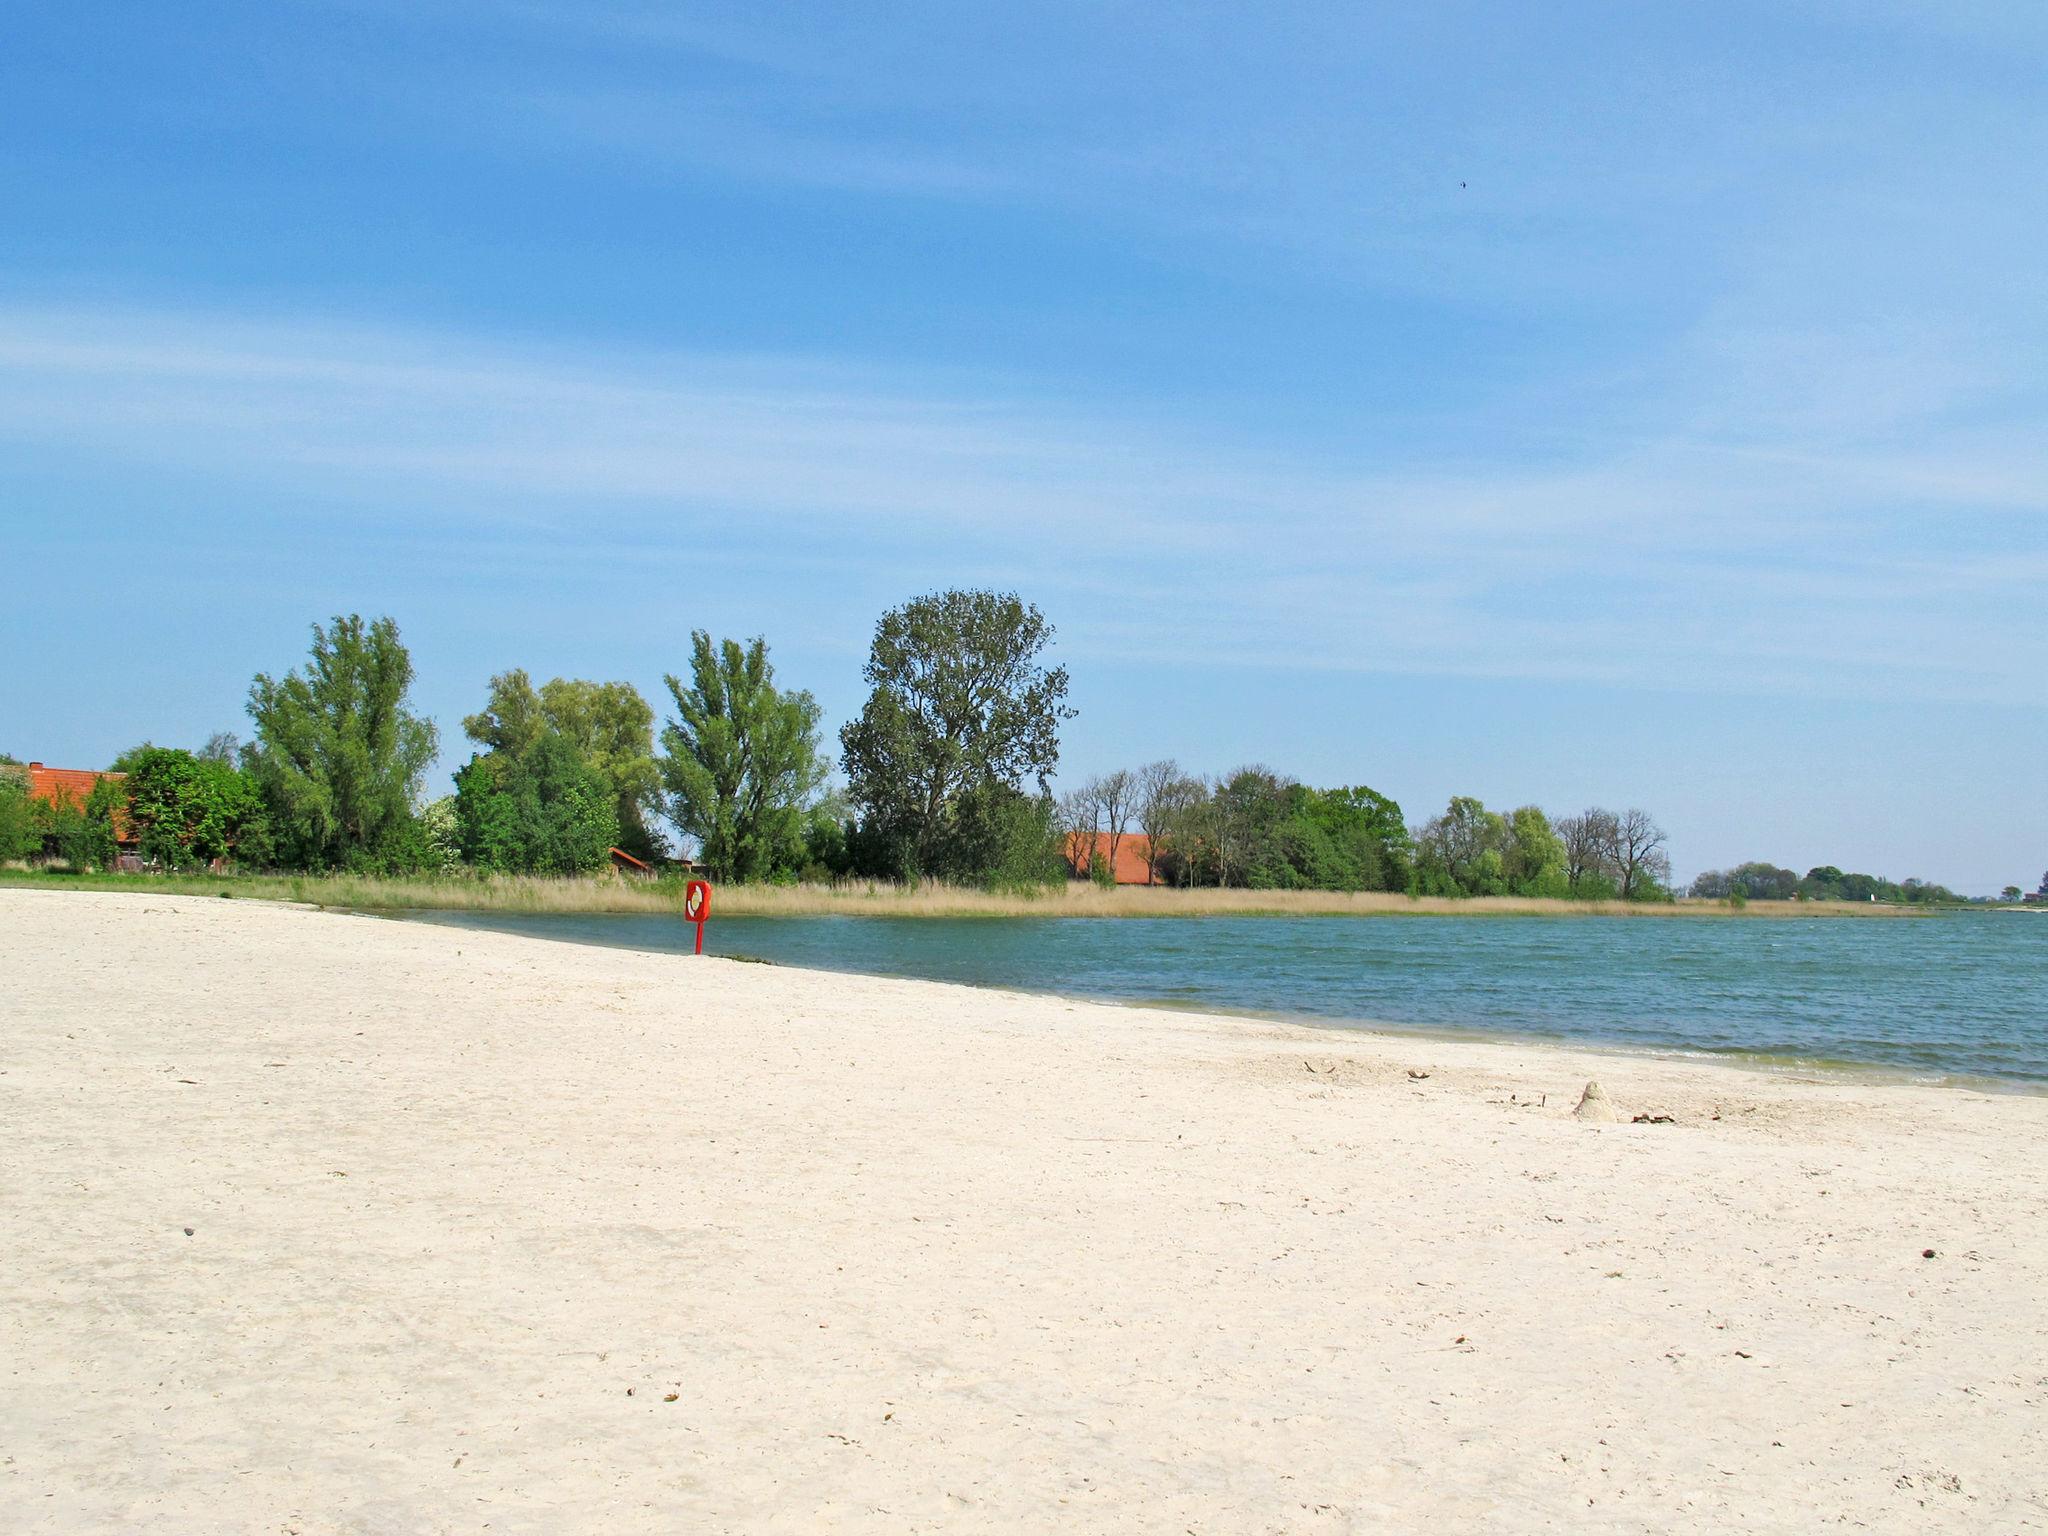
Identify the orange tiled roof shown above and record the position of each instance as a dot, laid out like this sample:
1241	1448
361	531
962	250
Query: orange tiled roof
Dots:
1133	856
57	785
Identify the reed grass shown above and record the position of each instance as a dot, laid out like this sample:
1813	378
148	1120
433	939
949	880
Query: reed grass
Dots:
606	893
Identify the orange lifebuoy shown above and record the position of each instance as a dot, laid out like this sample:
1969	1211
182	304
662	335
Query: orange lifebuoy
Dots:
697	907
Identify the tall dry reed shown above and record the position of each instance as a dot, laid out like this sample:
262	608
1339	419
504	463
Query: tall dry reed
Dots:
525	893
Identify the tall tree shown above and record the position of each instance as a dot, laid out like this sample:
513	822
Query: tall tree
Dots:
1097	809
1243	819
1117	794
742	759
1533	857
610	724
1366	834
1461	850
188	810
613	727
511	721
339	755
1641	866
960	703
19	836
1588	839
1156	809
546	811
1080	813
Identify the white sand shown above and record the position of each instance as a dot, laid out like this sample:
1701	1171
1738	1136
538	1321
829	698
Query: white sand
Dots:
467	1209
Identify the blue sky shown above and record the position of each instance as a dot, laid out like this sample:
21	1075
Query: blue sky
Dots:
1573	403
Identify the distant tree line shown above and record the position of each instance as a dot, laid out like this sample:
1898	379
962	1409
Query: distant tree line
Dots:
1768	882
946	772
948	767
1257	829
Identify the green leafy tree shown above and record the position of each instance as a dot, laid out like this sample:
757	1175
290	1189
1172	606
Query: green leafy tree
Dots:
19	836
1366	838
609	723
613	727
77	830
1533	856
188	811
827	839
511	720
1460	853
1005	839
126	762
545	812
1247	811
960	704
742	760
1754	881
339	756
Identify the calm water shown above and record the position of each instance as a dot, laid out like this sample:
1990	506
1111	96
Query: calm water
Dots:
1954	995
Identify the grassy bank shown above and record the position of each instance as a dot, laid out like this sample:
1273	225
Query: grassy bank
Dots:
861	899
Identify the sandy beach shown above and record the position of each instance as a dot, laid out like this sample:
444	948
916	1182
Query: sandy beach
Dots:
313	1223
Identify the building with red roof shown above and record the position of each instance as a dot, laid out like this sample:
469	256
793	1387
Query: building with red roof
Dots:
73	787
1131	864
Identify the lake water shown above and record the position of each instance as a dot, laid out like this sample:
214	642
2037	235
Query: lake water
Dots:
1953	995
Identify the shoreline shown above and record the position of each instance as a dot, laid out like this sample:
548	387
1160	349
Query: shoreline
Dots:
1739	1058
1078	900
327	1223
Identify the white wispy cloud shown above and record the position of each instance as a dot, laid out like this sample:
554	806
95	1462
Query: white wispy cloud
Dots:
1689	544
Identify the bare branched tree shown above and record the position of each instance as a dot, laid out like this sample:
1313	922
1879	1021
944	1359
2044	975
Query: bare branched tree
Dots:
1117	795
1588	840
1081	821
1157	807
1637	851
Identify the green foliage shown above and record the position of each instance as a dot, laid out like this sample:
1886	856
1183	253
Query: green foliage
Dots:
1258	830
1100	872
1004	839
960	709
1464	851
1827	883
126	762
511	721
439	835
544	812
1368	847
826	840
1756	881
338	755
79	833
19	834
610	724
613	727
1246	810
742	760
1533	856
188	811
